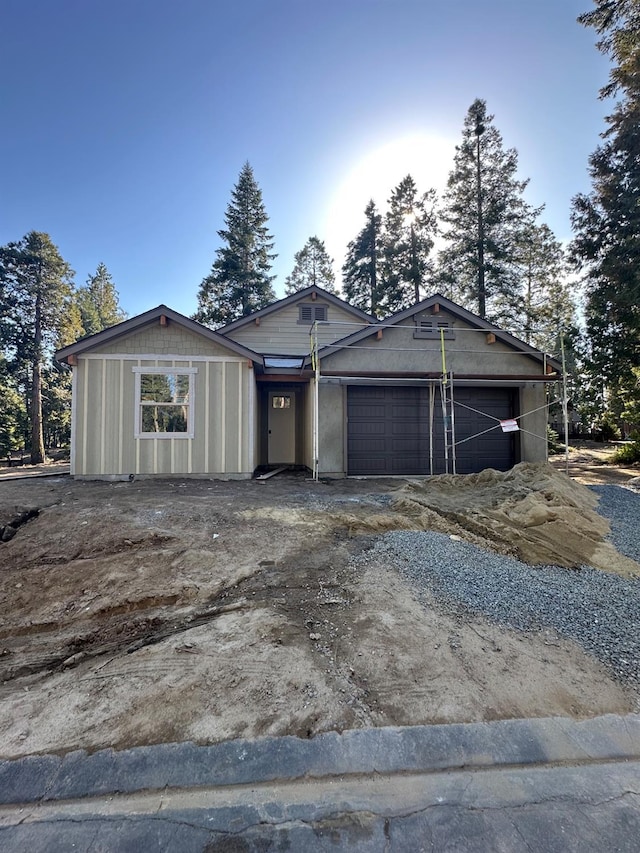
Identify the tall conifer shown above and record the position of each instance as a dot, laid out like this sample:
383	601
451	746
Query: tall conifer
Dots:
361	275
239	282
484	215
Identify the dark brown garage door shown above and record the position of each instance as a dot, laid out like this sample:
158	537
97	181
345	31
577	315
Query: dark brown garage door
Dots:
388	430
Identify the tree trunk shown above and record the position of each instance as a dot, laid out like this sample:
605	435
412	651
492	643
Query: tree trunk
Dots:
37	437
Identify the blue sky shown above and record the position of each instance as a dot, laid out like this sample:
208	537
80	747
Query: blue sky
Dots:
126	123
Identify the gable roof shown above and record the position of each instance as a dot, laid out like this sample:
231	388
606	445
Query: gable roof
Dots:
134	323
450	307
298	296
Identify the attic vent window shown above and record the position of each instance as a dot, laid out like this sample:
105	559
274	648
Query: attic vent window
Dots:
429	327
308	313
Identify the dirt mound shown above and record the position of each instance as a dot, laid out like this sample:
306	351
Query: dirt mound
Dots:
532	511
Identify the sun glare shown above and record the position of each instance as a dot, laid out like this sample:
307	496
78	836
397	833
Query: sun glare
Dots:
426	157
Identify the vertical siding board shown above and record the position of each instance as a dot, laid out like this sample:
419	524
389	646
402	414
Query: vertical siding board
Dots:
163	456
93	416
198	456
85	409
112	439
231	419
129	444
222	401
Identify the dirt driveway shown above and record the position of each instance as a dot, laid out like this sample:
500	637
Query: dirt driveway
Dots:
154	611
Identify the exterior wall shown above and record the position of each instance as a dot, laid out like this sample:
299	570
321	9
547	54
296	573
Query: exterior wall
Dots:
333	425
307	424
398	350
279	333
105	407
331	459
533	442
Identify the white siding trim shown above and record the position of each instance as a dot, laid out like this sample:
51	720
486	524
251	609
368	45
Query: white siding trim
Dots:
121	431
85	418
251	387
165	369
240	437
137	440
103	415
74	418
223	419
207	467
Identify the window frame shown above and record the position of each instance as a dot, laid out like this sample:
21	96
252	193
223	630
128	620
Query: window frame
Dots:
164	371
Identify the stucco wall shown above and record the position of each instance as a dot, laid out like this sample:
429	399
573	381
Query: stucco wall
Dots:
399	351
332	423
533	435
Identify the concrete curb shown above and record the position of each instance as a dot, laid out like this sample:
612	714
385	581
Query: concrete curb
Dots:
391	750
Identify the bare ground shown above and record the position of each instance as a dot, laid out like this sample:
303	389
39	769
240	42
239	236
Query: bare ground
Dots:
153	611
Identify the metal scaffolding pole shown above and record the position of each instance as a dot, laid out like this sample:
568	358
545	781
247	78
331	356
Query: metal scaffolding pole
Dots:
315	362
453	424
565	405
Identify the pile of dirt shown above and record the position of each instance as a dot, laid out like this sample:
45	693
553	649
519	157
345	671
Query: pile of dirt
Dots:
531	512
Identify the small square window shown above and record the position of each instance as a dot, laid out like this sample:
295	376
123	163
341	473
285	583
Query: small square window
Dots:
282	402
164	402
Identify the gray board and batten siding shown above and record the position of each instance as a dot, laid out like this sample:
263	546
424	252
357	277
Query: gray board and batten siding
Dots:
222	405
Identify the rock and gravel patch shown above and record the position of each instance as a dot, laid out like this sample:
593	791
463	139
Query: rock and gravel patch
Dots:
598	610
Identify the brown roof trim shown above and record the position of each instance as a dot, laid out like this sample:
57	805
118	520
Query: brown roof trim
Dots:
451	308
291	300
140	320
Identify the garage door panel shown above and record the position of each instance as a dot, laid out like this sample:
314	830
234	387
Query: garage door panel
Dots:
365	428
388	430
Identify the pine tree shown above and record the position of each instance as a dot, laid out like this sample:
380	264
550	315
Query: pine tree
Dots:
361	275
410	228
239	282
35	284
313	266
607	220
545	305
484	215
98	302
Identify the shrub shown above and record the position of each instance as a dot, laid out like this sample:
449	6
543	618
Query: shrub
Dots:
628	454
554	445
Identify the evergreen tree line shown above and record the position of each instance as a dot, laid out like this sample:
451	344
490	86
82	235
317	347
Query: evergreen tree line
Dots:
482	245
41	310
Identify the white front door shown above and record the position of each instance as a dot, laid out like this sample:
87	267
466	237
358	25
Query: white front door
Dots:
282	428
